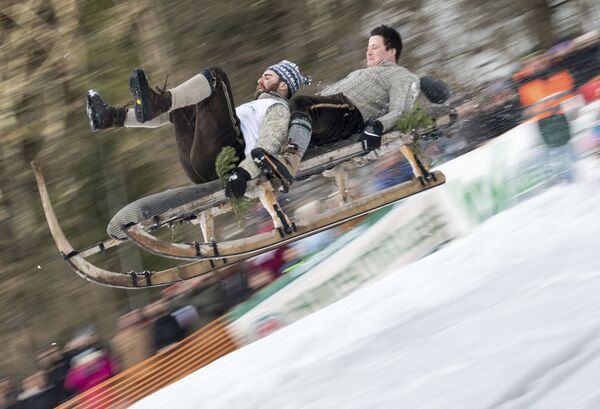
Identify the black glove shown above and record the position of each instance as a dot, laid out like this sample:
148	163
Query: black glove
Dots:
236	183
371	135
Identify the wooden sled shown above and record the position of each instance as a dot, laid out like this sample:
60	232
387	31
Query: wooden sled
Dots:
210	254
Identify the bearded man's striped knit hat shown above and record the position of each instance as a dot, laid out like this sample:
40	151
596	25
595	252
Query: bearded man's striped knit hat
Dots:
290	74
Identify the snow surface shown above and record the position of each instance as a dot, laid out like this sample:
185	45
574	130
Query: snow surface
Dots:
507	317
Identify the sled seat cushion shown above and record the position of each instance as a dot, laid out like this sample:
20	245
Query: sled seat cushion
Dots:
157	203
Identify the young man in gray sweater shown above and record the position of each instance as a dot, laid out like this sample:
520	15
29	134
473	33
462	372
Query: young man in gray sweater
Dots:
369	101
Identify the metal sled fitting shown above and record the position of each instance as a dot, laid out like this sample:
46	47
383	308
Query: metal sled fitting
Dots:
419	170
206	220
281	221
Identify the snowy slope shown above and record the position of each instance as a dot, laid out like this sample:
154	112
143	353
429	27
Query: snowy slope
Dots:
508	317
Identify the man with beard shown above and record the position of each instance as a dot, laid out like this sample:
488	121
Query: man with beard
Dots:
202	112
368	101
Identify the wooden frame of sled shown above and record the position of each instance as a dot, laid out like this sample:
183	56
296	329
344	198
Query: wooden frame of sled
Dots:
334	163
266	241
202	211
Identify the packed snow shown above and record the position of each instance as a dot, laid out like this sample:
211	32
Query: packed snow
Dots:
507	317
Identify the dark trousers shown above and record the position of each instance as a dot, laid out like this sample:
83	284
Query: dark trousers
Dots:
202	130
332	117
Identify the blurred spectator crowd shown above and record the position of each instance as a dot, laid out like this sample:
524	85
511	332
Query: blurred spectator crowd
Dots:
88	360
497	106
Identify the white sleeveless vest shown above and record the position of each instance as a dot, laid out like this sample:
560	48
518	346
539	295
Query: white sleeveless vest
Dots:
251	115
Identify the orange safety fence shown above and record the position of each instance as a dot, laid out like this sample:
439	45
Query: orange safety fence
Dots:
192	353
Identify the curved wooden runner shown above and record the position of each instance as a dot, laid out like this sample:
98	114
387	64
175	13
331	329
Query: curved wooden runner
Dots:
132	279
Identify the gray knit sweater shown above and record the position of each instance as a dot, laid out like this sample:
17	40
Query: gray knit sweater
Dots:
385	92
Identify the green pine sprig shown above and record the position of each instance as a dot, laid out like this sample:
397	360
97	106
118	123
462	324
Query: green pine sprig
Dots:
225	163
414	121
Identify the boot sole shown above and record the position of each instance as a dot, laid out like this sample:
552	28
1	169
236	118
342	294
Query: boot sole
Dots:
90	113
267	164
137	83
94	123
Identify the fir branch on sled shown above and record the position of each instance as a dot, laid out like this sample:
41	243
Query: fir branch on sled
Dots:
225	163
413	123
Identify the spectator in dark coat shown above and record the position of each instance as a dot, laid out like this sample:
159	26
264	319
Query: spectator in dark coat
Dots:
52	359
166	332
37	392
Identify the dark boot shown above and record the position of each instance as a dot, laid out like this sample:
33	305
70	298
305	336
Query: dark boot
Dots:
148	103
102	115
283	166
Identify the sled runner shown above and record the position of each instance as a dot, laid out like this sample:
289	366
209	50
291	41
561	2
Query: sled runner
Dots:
133	279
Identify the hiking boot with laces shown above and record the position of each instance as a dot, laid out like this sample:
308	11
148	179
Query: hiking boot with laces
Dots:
148	103
102	115
283	166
